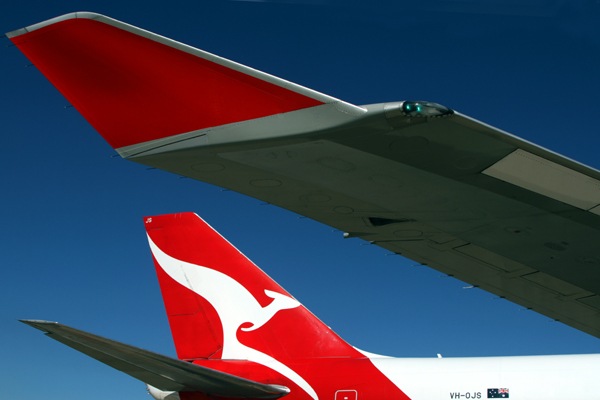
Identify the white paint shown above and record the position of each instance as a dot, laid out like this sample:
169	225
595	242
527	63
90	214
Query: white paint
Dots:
532	377
158	394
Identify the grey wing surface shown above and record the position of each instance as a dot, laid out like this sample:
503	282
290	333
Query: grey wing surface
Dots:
450	192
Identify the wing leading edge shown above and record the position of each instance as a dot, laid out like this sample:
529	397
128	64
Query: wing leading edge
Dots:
159	371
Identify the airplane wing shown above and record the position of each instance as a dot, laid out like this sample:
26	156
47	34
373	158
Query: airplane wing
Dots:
416	178
162	372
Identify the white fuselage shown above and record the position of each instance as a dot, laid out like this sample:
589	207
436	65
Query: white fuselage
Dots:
526	377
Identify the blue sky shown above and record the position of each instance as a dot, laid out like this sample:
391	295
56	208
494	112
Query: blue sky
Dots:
73	242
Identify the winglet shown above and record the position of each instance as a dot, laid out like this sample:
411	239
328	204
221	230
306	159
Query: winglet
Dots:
134	86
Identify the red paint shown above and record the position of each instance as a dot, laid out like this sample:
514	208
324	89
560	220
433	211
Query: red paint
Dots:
132	89
190	317
292	336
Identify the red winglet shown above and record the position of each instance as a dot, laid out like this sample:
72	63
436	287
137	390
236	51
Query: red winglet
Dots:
133	86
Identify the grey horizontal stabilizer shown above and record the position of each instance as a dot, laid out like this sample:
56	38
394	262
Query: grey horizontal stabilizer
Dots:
163	372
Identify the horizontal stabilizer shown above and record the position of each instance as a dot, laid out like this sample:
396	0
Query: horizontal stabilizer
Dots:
162	372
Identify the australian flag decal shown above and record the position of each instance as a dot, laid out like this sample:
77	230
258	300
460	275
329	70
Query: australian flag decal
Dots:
498	393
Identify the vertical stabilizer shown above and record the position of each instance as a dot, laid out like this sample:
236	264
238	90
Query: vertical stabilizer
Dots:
222	306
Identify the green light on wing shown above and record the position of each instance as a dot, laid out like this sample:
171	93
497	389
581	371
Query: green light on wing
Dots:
424	109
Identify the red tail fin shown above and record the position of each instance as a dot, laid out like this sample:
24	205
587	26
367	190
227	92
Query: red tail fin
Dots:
221	305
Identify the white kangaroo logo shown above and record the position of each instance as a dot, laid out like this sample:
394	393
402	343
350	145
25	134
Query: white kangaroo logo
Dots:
235	306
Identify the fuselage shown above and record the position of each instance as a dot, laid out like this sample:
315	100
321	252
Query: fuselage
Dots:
525	377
